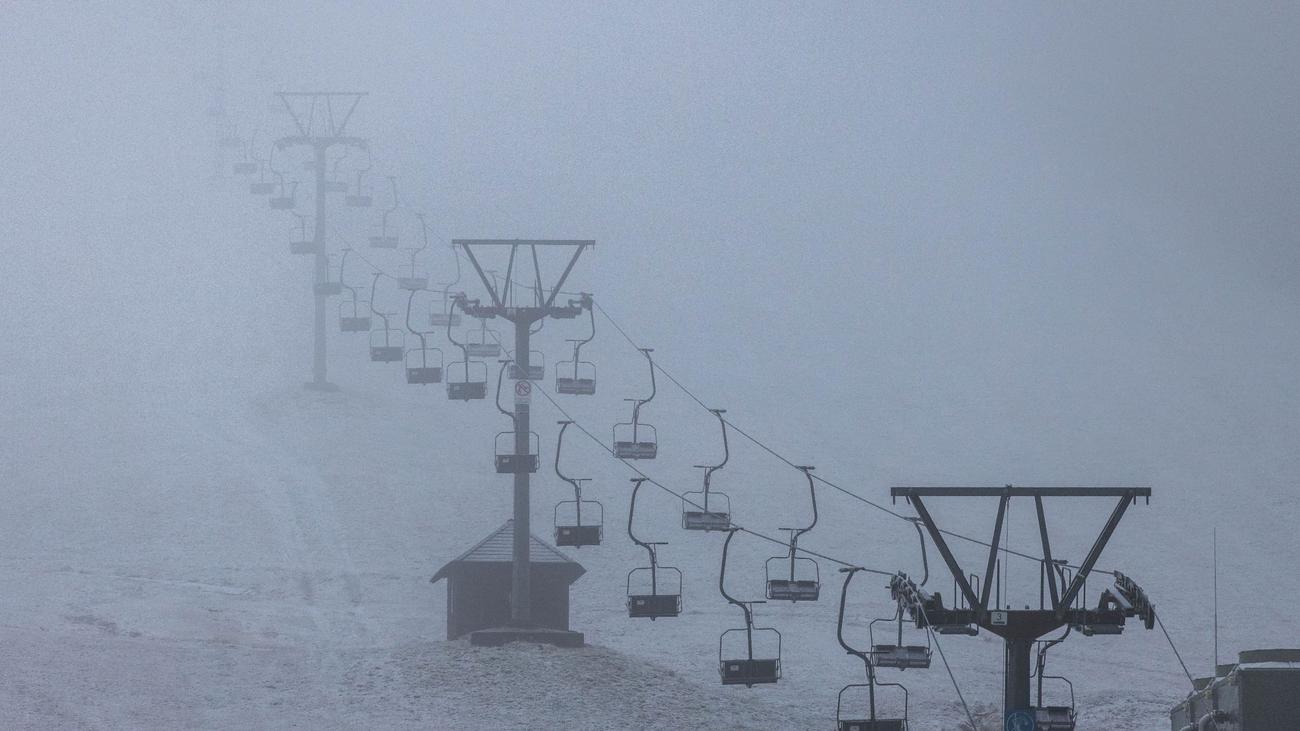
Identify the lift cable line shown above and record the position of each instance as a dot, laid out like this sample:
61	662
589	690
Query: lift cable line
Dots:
790	463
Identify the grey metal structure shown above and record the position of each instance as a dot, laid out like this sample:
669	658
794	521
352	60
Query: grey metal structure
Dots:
697	514
574	532
634	440
1259	692
660	601
580	380
747	670
321	129
388	344
1019	628
871	721
523	314
795	582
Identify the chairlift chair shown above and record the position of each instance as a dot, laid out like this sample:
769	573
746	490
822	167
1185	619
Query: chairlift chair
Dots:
384	240
898	655
508	462
1054	718
461	385
331	287
230	141
697	512
747	669
284	202
387	345
571	531
303	246
577	377
243	167
634	440
536	367
483	343
857	720
416	281
361	198
351	317
424	365
796	578
261	187
442	314
664	598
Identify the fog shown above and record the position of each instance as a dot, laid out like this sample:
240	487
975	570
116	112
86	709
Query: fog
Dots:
910	244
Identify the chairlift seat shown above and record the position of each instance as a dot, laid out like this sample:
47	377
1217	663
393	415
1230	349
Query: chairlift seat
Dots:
750	672
513	463
383	242
354	324
575	386
386	353
636	450
335	186
244	168
577	536
282	203
261	188
303	248
535	372
483	350
957	629
880	724
901	656
466	390
422	375
358	201
654	606
413	284
1054	718
706	520
328	289
799	590
443	319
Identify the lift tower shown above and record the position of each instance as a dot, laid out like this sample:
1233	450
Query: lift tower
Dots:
322	120
1019	628
522	311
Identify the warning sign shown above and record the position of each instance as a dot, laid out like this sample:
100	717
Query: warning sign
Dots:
523	392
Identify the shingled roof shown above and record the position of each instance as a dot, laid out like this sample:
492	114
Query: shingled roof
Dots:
498	547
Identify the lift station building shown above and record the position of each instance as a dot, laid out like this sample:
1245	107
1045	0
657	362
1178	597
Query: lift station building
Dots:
478	584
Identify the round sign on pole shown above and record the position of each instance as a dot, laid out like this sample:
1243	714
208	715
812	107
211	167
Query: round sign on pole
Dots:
1021	721
523	392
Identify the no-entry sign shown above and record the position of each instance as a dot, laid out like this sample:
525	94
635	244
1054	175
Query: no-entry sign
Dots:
523	392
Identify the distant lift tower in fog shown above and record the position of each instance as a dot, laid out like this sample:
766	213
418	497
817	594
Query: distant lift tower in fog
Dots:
523	310
1020	628
321	118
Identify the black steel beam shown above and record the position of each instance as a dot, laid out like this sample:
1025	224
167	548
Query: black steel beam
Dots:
910	492
523	242
1048	565
1095	553
993	556
491	288
942	545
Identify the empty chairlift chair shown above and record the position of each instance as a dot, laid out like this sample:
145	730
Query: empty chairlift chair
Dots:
707	509
414	280
284	201
249	164
569	528
385	240
578	377
387	344
462	383
507	462
634	440
333	285
442	314
793	577
738	661
423	364
483	342
303	246
898	654
853	712
1049	717
359	198
653	591
536	367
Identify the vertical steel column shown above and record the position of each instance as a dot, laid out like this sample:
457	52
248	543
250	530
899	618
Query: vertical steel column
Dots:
1017	675
322	273
521	603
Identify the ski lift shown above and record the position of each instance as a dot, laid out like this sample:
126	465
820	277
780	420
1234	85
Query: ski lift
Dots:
330	287
420	362
465	388
856	720
483	343
361	198
333	184
898	655
1059	717
536	367
383	240
351	317
800	576
303	246
507	461
441	311
416	282
230	140
697	514
746	670
248	165
634	440
664	582
284	202
387	344
578	377
571	531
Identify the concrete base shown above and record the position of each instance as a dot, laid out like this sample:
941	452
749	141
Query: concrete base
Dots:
325	387
498	636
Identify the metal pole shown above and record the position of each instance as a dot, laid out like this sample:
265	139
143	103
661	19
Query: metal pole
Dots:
1017	675
521	605
322	272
